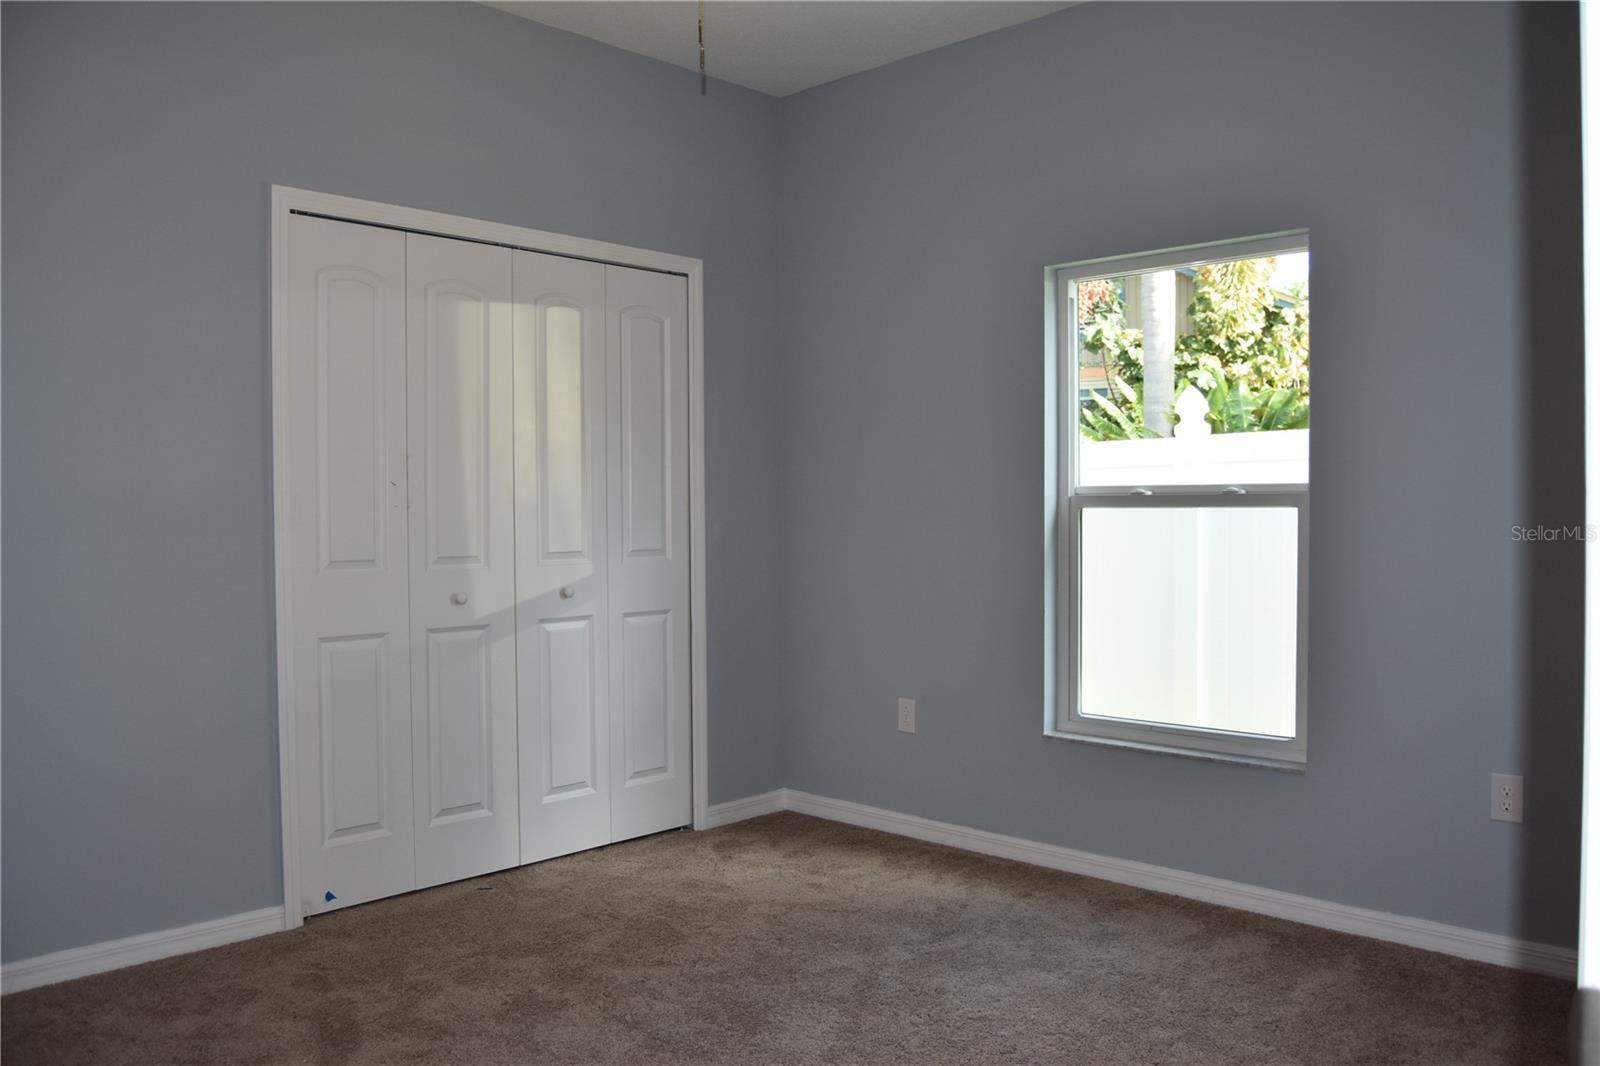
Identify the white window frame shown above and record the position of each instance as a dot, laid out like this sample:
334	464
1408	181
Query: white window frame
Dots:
1065	503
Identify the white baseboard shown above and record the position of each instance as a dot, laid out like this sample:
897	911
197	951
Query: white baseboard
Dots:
1413	932
132	950
147	947
749	807
1397	929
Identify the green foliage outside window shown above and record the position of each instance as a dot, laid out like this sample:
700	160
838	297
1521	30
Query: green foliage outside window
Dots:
1248	353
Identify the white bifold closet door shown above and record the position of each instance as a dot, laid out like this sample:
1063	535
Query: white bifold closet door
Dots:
602	553
564	725
488	497
647	461
349	567
463	577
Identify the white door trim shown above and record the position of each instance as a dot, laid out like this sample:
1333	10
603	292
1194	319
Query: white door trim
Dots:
287	201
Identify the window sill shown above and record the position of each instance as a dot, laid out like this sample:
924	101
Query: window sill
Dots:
1261	761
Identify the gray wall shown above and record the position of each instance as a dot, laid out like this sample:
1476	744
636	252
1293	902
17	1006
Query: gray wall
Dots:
881	522
1431	150
140	766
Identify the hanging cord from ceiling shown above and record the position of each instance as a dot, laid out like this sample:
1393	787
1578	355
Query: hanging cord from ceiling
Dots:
702	31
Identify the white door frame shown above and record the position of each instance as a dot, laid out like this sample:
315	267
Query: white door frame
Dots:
287	201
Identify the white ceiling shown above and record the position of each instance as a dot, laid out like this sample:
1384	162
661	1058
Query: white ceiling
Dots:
782	46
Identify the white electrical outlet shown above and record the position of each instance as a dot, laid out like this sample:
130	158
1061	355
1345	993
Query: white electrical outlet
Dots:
908	715
1505	797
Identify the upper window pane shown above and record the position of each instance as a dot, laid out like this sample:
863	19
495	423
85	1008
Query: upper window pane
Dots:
1195	375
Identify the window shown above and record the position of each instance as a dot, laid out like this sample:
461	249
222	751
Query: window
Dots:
1177	484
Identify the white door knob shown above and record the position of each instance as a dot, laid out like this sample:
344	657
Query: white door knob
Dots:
568	592
458	598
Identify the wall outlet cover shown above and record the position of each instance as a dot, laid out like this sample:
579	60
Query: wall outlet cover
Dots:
908	715
1505	797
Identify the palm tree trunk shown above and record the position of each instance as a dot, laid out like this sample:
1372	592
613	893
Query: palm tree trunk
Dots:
1158	312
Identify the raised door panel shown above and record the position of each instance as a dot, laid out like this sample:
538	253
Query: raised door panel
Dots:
646	433
463	587
458	320
460	725
567	663
563	459
351	371
352	693
648	609
647	694
562	639
347	561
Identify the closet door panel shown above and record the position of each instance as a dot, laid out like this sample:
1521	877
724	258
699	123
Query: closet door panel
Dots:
648	611
347	554
463	655
460	726
562	639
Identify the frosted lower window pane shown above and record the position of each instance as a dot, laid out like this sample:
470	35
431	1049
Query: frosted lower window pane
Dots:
1188	616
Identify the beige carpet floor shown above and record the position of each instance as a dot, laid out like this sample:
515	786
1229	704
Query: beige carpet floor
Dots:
792	940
